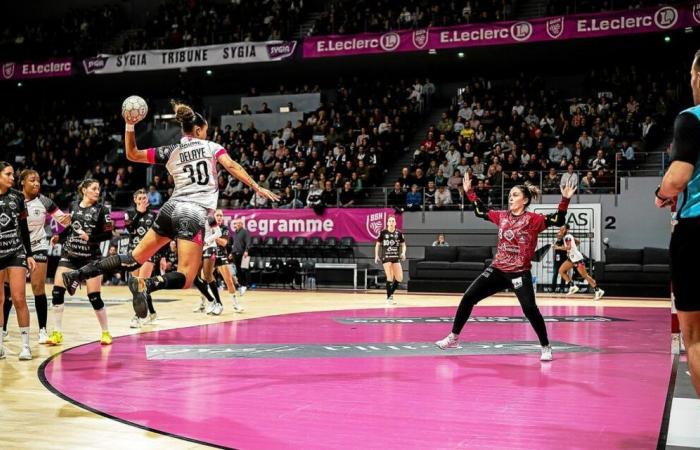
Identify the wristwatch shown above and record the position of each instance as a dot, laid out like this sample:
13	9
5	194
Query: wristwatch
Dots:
656	193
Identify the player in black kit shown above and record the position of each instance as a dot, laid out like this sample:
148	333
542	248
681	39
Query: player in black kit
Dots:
139	220
90	225
221	262
15	253
393	250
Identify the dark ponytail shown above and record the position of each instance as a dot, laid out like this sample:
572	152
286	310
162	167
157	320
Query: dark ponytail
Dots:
186	117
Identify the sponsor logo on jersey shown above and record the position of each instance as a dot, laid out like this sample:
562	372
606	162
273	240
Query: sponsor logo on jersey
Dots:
4	219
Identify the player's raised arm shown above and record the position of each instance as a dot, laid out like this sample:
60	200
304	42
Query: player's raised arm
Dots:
134	110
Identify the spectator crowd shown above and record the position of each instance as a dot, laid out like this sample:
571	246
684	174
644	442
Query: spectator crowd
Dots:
509	132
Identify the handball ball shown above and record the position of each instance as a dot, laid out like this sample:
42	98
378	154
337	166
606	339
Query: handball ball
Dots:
134	109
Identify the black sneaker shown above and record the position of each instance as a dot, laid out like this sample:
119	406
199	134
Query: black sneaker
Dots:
137	286
71	281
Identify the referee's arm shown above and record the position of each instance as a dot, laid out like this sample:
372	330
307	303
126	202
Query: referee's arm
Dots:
685	150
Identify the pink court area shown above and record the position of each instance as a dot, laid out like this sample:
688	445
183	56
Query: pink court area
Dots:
371	379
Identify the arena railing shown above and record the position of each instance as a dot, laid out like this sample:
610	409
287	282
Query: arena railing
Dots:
494	196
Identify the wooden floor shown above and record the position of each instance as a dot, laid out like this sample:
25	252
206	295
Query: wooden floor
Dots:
33	417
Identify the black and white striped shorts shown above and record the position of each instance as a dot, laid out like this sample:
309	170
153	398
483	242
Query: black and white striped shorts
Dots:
181	220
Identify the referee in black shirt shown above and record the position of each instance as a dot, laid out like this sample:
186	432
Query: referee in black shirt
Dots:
241	242
683	180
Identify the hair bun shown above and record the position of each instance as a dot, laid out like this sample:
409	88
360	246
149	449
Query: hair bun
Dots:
183	113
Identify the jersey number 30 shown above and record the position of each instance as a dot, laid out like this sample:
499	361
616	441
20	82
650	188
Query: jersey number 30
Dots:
202	173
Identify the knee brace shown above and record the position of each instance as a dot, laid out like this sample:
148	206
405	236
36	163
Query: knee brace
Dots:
128	262
57	295
96	301
109	265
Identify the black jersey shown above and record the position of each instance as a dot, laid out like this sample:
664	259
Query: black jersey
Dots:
138	224
13	212
223	252
171	257
559	255
391	243
93	220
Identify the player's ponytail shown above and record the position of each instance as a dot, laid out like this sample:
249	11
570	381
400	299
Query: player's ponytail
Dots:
530	191
186	117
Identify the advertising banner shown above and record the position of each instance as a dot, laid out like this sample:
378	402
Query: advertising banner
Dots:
362	224
49	68
207	56
581	26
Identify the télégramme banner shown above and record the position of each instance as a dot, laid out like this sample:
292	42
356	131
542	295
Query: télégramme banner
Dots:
206	56
615	23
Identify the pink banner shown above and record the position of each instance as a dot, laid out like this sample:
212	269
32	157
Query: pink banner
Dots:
54	67
362	224
580	26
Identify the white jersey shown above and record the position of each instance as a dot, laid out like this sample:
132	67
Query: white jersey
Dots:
192	163
572	249
37	209
211	233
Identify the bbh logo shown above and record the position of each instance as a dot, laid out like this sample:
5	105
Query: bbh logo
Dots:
390	42
696	12
555	27
420	38
8	70
666	17
375	223
521	31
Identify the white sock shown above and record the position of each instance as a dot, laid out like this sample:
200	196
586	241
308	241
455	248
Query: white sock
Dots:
58	317
102	318
24	332
454	336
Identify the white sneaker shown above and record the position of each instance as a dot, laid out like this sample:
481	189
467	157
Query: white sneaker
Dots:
151	318
200	306
25	354
390	300
5	334
135	322
242	290
2	352
43	336
572	290
217	309
599	293
237	306
451	341
210	308
546	353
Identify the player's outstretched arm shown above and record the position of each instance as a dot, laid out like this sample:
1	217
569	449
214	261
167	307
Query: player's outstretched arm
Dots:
239	172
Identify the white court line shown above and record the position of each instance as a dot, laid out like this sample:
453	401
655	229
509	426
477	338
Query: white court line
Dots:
684	425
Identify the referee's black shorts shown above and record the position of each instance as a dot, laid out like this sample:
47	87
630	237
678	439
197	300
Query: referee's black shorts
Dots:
685	243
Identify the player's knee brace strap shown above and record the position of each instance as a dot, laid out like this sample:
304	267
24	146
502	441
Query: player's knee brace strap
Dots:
96	301
57	295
